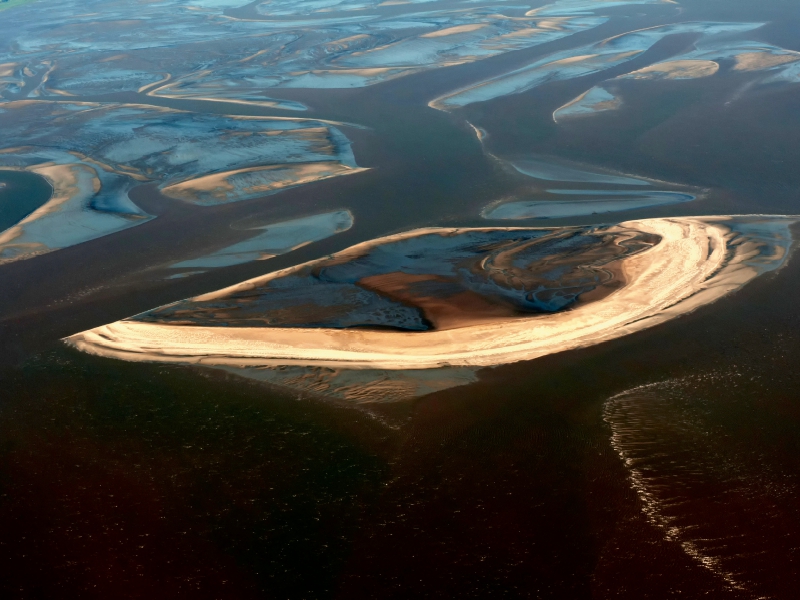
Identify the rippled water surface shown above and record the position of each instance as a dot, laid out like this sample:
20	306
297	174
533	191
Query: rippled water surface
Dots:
154	151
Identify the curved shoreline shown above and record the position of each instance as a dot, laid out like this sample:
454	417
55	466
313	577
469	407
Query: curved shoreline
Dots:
693	265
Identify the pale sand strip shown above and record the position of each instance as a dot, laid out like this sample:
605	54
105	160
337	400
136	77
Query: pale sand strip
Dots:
65	181
218	187
693	265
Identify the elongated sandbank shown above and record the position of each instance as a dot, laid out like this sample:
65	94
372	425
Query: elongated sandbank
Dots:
693	261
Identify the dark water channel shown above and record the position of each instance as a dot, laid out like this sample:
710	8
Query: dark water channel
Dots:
122	480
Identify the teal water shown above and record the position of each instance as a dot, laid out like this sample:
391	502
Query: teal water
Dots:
20	194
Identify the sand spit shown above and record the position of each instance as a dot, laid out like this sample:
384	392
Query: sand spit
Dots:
697	261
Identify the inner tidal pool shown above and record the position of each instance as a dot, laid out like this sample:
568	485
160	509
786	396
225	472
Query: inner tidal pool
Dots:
366	299
20	194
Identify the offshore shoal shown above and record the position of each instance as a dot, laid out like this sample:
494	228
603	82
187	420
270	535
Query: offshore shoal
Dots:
697	261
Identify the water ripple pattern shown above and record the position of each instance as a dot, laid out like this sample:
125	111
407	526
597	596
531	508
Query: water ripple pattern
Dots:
725	502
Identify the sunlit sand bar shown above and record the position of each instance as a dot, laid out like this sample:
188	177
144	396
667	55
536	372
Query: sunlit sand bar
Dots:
599	99
693	261
582	61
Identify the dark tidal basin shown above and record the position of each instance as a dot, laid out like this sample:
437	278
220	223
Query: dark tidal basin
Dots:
663	464
20	194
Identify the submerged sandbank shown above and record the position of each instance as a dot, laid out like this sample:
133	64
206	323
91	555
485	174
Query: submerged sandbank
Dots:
553	169
275	239
595	202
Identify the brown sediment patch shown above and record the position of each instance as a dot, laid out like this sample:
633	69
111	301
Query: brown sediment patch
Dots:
505	273
460	309
692	265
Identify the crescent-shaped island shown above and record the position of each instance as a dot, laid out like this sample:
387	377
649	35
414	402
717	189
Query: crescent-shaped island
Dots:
472	297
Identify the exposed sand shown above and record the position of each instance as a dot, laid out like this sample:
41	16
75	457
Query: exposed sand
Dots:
756	61
454	30
592	101
692	265
675	69
220	187
64	180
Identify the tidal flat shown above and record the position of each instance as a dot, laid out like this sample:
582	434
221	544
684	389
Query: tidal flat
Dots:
93	155
658	462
